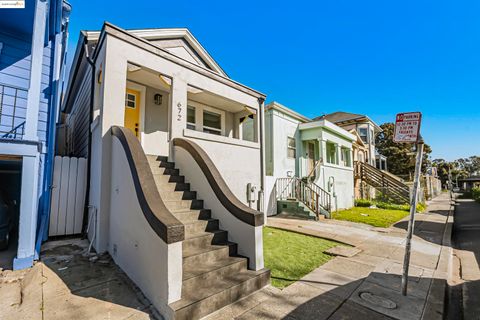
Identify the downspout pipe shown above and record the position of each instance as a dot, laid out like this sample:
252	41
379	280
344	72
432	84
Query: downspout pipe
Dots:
90	120
262	169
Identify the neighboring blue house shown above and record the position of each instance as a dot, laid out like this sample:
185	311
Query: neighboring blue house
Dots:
32	63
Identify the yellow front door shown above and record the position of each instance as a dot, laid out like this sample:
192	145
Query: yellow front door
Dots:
132	111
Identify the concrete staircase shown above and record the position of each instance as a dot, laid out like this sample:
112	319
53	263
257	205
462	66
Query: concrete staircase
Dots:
214	275
294	208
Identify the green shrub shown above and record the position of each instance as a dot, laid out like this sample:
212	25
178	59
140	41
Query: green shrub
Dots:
476	194
387	205
363	203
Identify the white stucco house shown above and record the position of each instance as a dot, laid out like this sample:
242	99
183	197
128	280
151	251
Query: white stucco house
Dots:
309	161
370	167
176	174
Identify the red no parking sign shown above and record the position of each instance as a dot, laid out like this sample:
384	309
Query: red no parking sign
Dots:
407	127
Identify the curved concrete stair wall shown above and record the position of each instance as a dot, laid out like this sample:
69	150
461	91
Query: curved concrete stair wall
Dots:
214	274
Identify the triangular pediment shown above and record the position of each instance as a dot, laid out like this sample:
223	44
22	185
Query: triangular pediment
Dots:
181	43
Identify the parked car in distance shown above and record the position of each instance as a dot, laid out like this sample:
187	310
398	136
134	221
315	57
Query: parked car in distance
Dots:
7	214
456	189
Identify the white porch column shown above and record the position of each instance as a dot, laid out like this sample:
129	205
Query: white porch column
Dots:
323	149
28	213
178	110
111	102
339	153
33	98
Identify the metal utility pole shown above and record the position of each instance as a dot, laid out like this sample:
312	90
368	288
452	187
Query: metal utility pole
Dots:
411	221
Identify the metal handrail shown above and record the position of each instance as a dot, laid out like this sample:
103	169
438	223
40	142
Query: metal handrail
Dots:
12	110
317	164
14	132
310	194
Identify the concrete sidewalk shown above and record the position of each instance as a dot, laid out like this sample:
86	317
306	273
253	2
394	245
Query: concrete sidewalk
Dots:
366	285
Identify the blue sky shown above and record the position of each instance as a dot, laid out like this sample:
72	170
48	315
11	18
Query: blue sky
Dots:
371	57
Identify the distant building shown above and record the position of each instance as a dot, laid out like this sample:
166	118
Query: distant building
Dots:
366	128
317	151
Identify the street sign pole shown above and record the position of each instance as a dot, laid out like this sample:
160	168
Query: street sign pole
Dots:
411	221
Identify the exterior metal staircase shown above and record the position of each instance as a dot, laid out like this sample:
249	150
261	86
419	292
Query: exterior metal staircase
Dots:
308	193
390	187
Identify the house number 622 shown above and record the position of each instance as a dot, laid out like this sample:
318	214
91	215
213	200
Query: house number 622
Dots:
179	108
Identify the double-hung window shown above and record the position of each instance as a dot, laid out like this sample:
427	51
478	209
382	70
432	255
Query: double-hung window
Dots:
345	157
331	153
212	122
248	129
363	133
291	147
191	118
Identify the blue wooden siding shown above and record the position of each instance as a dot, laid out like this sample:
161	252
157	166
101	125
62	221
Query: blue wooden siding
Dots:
15	62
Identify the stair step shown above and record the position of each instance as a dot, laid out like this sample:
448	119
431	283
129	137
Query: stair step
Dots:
222	269
188	215
184	204
193	271
199	226
204	300
178	195
204	240
161	179
172	186
208	254
160	161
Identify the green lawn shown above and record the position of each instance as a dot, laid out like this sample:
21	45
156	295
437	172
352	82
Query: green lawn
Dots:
375	217
290	255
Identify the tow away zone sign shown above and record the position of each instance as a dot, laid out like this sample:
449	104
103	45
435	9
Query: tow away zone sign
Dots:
407	127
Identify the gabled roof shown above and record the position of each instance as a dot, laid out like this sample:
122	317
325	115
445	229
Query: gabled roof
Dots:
146	39
280	107
341	117
159	34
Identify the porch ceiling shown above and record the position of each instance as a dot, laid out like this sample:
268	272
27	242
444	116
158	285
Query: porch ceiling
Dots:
217	101
149	78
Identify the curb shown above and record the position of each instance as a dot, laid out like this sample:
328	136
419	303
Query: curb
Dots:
434	308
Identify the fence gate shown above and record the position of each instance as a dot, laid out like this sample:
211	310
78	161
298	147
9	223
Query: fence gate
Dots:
68	196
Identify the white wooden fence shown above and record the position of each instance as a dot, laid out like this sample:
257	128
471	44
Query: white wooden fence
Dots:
68	196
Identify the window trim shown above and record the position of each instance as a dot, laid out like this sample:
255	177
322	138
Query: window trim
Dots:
242	131
294	148
335	155
127	100
199	109
219	130
194	124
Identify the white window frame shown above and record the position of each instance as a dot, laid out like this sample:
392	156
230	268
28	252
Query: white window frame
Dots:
335	155
345	156
254	127
367	134
292	148
199	108
130	100
194	124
